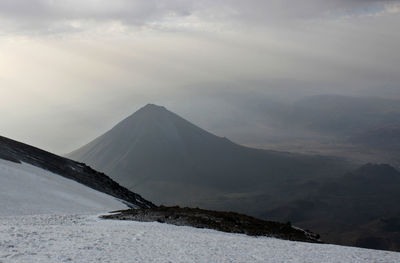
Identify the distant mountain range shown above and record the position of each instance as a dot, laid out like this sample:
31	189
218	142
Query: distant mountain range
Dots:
343	115
365	129
171	161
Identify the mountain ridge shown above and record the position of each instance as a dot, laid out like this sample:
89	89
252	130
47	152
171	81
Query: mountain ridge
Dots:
355	205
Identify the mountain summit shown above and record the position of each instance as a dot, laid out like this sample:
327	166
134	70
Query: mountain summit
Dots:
172	161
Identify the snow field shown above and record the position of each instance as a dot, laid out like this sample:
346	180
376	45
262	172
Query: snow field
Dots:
74	238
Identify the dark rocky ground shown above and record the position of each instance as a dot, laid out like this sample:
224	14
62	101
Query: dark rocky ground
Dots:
221	221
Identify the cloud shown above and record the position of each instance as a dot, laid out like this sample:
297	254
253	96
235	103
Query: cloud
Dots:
50	16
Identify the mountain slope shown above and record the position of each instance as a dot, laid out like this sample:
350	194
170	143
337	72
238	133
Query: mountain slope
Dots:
171	161
29	190
360	208
23	166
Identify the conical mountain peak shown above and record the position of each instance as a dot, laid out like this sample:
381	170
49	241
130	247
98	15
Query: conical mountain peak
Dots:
153	107
151	112
170	160
143	133
158	121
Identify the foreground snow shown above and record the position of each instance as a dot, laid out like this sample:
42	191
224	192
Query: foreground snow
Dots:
26	190
53	238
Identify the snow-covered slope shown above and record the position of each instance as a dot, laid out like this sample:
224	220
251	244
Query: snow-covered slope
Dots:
88	239
19	153
28	190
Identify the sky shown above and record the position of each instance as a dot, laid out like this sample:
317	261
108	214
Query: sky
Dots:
70	70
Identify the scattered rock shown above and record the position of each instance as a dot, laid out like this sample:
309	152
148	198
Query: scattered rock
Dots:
222	221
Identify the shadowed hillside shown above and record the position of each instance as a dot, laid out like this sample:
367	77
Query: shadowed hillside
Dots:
360	208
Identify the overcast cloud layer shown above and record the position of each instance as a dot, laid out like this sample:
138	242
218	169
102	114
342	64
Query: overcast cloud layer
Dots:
49	16
69	70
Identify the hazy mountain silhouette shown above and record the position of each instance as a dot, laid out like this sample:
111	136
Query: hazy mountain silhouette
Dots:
366	129
360	208
343	115
171	161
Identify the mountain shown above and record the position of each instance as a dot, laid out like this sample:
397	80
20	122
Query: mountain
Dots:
171	161
365	129
343	115
33	181
360	208
385	138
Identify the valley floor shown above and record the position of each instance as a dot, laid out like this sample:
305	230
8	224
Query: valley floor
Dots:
73	238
